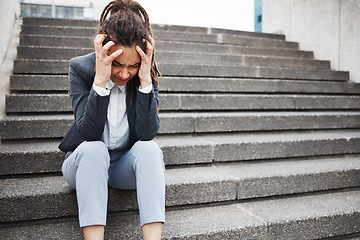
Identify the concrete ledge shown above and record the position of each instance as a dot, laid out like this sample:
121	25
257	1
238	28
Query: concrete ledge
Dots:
208	148
327	215
48	127
51	67
51	83
55	103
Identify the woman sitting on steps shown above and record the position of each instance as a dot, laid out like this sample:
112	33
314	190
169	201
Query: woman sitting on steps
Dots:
114	94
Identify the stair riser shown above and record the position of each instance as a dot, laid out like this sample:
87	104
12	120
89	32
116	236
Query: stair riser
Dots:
39	83
165	35
178	57
64	201
61	102
56	128
95	23
33	40
61	67
181	84
31	162
260	150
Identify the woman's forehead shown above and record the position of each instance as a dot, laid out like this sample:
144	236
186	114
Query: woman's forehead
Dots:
129	56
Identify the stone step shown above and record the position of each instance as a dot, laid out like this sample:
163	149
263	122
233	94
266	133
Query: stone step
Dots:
55	126
250	72
182	57
178	46
166	35
44	156
35	83
207	148
47	66
196	185
51	103
311	217
164	27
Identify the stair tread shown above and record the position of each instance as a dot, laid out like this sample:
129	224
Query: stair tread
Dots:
198	115
30	147
254	137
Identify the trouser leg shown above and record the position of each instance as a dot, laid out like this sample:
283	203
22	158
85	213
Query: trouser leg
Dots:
86	170
142	167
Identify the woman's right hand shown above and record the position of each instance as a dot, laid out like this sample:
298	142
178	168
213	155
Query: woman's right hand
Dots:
103	60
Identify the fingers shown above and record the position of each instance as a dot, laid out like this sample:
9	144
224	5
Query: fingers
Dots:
98	42
140	52
150	46
102	51
115	54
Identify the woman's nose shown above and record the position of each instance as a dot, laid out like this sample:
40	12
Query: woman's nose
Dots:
124	74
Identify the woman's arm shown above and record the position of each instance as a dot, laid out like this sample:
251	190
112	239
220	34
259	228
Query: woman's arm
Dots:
147	105
147	116
90	109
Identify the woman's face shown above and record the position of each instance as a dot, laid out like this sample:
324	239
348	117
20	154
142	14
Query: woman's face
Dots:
125	66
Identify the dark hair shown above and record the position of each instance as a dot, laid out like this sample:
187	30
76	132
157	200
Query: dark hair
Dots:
126	23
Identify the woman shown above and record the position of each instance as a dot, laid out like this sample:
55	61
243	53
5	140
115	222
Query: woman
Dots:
114	94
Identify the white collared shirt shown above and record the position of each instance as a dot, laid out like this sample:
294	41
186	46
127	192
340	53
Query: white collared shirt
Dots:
116	131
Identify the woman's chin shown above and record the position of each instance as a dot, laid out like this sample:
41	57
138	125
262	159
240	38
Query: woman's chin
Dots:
119	81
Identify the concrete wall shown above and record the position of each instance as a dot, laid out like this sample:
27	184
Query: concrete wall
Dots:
9	39
330	28
9	11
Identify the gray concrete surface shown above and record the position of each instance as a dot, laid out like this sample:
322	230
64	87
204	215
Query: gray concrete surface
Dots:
329	28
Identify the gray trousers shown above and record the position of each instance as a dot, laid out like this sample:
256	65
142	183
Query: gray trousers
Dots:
92	168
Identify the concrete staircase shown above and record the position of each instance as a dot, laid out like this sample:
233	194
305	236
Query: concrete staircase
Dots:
260	140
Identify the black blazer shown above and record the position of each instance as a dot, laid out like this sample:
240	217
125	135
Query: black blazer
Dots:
90	109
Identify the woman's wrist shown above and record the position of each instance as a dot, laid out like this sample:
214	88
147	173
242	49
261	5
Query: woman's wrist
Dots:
99	83
145	82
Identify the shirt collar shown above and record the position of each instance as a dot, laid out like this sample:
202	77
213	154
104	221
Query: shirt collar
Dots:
110	84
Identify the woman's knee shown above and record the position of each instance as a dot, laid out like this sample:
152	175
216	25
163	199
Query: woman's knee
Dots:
94	152
147	148
147	153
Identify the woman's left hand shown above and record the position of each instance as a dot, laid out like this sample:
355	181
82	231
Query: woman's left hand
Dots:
145	67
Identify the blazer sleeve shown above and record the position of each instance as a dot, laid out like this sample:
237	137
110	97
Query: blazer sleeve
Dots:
90	109
147	116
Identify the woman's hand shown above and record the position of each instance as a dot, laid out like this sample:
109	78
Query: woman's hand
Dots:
103	61
145	67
